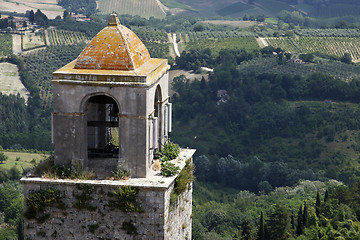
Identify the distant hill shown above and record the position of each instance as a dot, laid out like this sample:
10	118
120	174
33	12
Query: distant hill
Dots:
239	8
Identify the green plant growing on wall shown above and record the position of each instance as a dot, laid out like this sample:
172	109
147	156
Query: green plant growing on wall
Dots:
125	199
170	151
83	199
182	182
121	174
169	169
49	169
37	201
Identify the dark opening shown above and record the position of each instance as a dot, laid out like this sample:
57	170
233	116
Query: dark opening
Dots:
102	127
157	113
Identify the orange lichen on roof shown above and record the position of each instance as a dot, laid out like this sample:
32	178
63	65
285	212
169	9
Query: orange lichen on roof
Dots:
114	48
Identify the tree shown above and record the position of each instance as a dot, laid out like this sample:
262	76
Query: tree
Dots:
3	157
318	204
346	58
261	230
246	230
278	226
300	225
66	14
31	16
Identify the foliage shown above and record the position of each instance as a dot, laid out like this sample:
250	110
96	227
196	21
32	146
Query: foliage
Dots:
83	199
121	174
49	169
125	199
3	157
38	201
170	151
183	181
169	169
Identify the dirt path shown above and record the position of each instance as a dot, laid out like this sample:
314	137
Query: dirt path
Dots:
16	44
176	48
171	46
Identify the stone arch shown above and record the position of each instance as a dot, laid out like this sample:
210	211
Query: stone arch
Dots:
102	133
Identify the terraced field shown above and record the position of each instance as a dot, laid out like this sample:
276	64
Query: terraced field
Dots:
144	8
62	37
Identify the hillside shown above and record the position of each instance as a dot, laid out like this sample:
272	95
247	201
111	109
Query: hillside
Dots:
48	7
143	8
239	8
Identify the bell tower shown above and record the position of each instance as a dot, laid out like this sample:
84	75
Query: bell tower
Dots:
113	92
111	112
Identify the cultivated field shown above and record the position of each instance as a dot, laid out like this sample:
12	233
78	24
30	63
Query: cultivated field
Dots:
144	8
62	37
5	45
48	7
216	45
10	81
22	160
240	24
334	46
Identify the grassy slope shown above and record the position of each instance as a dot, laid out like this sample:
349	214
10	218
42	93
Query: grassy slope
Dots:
23	162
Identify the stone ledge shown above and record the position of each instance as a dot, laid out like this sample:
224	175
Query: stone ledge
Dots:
154	180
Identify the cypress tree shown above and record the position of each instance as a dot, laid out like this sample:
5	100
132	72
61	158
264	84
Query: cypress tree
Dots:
326	196
299	227
261	231
305	215
318	204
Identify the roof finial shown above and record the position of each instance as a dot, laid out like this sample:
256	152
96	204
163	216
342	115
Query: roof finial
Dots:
113	20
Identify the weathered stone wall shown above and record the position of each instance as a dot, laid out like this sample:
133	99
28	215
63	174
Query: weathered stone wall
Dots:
178	220
91	215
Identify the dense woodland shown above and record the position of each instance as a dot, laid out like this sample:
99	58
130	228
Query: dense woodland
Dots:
277	142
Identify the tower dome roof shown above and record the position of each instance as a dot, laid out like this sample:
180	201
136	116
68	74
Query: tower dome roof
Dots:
114	48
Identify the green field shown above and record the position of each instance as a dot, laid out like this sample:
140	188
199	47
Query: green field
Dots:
333	46
283	43
336	69
62	37
6	45
21	160
143	8
216	45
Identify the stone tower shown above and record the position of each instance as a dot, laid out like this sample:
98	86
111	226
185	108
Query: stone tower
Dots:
111	112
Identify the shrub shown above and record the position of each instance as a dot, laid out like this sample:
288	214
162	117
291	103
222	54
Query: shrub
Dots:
125	199
169	169
170	151
121	174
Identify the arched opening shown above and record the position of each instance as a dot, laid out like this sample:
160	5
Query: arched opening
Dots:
102	127
158	117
